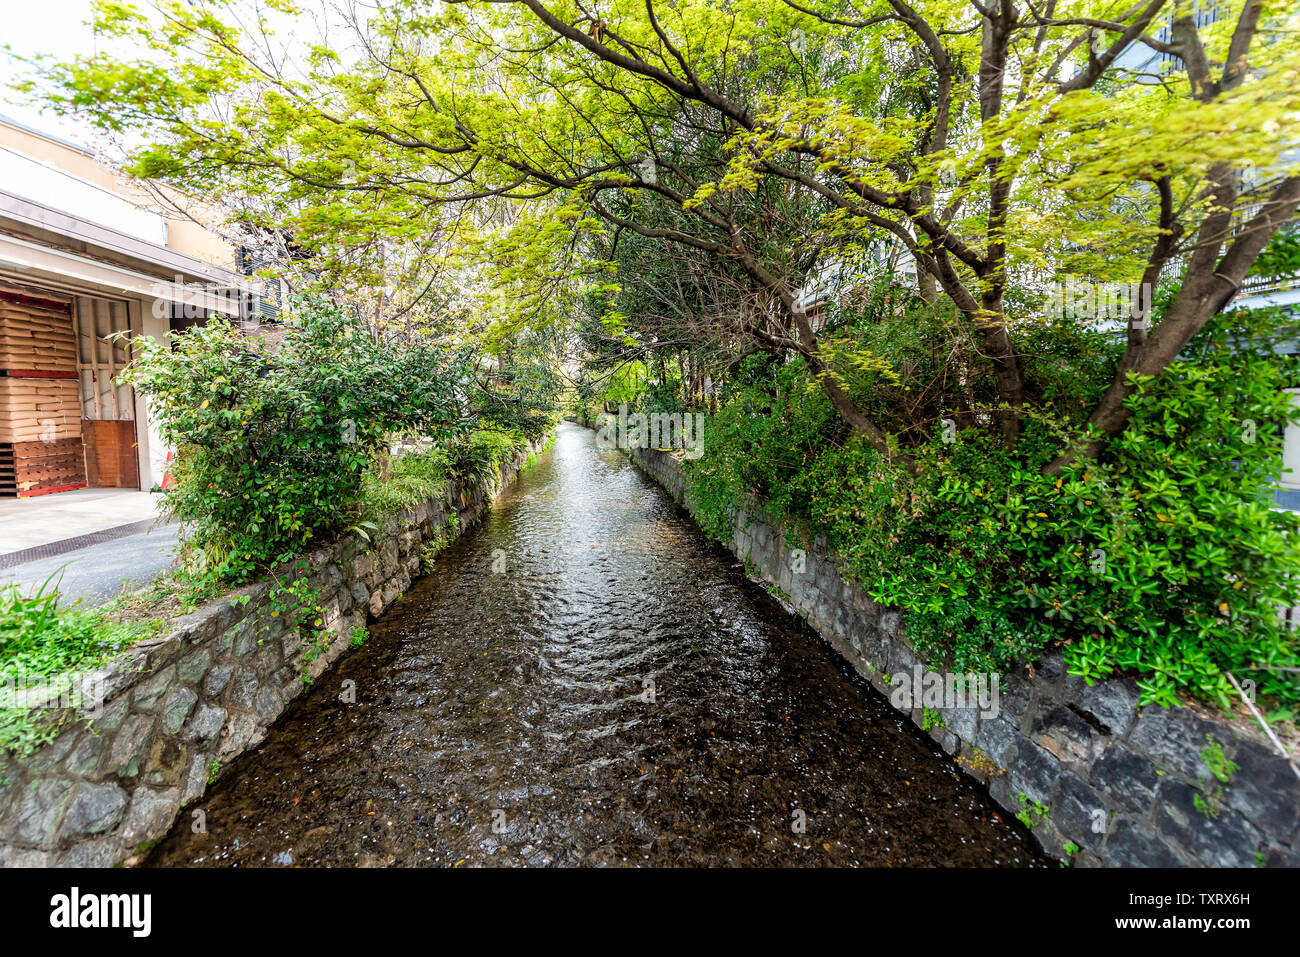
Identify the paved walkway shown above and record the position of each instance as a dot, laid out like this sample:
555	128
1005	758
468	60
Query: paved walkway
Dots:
100	541
31	522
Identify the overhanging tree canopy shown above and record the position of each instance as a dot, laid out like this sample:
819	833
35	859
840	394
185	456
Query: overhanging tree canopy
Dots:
1003	144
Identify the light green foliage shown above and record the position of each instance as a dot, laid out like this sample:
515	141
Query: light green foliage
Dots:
1163	559
1219	766
392	484
431	549
522	394
481	455
1032	812
48	647
295	605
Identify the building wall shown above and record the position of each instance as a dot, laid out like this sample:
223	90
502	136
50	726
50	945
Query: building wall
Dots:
181	233
152	450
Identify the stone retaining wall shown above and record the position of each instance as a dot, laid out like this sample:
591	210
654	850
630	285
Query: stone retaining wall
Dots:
180	707
1129	786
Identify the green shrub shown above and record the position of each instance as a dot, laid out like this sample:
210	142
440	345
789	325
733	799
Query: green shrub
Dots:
273	441
522	395
392	484
481	454
1163	560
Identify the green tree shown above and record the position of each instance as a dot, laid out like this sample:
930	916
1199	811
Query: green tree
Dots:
999	143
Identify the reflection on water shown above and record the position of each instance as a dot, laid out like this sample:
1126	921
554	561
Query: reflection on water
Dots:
618	694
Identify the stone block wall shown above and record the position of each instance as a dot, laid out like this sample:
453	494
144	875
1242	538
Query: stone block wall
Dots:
1128	786
180	707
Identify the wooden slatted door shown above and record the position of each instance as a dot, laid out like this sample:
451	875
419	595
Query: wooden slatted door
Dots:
110	454
108	409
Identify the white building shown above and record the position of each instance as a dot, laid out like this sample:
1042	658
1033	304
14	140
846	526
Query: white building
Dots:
84	253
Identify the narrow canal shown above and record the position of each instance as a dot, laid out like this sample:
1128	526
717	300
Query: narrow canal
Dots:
585	679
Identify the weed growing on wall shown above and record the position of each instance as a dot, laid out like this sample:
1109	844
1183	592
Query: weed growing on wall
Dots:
45	650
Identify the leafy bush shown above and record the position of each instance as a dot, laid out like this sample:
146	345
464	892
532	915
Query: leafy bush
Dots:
392	484
522	394
273	439
1163	559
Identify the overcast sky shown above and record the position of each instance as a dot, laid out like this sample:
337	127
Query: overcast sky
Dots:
59	27
41	26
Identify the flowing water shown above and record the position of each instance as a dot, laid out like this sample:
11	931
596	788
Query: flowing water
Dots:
585	679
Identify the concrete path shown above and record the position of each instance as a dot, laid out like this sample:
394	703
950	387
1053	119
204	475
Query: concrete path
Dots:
30	522
98	573
102	541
